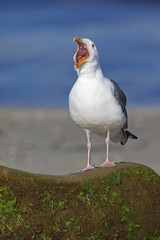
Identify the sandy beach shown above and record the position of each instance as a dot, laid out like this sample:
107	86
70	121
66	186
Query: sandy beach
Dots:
48	142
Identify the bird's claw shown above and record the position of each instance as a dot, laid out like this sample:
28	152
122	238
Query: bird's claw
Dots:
88	168
106	164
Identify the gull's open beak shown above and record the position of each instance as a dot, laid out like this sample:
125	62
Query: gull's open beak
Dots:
82	54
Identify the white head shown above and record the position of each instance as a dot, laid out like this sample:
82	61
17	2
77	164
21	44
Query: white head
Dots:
86	58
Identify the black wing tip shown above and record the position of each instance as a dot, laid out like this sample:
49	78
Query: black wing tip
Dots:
128	135
131	135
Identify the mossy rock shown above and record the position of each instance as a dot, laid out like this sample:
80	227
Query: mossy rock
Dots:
112	203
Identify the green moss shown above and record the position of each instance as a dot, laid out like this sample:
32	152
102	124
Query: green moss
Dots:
116	235
152	175
44	237
127	172
10	219
48	200
126	211
125	214
87	192
101	213
115	179
98	236
57	226
70	224
138	171
7	209
62	204
124	219
116	197
82	196
132	229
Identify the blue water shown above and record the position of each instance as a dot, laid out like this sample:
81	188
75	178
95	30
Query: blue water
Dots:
36	49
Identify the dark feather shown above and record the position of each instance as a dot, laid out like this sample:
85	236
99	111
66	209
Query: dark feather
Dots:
121	99
127	135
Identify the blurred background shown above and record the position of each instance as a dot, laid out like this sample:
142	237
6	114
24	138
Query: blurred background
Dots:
37	73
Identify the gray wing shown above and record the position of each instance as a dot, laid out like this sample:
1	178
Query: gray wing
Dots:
121	98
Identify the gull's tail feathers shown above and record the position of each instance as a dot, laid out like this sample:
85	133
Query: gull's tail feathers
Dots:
127	135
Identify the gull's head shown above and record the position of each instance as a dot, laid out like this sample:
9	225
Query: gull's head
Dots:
86	55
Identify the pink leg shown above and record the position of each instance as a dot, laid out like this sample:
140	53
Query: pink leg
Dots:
107	140
89	151
88	167
107	163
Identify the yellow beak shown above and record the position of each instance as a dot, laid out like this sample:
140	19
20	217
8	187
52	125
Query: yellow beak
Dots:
79	41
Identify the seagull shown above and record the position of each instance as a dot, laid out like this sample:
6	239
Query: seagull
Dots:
96	103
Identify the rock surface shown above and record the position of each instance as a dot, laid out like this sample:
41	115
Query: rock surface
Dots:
111	203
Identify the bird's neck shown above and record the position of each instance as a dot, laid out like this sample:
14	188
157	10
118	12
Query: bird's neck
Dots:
90	71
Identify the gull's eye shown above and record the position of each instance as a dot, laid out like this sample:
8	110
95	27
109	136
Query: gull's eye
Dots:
93	45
